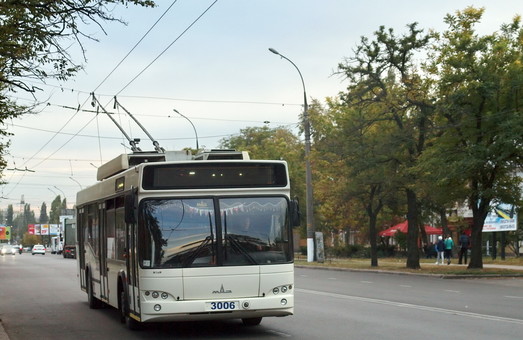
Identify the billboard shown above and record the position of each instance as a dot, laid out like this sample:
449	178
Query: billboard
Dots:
501	217
43	229
5	232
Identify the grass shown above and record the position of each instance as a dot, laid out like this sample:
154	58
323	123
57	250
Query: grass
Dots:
427	266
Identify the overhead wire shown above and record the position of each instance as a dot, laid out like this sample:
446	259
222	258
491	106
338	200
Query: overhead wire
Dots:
167	48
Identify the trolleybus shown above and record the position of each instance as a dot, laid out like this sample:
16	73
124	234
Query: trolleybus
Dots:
174	237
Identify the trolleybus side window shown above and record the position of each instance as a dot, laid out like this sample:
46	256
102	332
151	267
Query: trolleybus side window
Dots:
93	228
110	229
115	226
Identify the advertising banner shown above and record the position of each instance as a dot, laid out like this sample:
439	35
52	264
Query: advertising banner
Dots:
502	217
44	229
5	233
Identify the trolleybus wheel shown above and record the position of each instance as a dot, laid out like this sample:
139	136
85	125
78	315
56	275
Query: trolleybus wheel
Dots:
252	321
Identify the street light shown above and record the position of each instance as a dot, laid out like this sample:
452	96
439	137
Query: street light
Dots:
196	133
308	172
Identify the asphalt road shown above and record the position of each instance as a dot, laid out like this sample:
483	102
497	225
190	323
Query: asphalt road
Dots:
40	299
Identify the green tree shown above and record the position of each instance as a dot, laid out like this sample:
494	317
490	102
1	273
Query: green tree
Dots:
56	210
385	81
9	217
36	37
479	87
44	218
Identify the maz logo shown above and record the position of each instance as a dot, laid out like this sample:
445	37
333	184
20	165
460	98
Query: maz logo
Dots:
222	291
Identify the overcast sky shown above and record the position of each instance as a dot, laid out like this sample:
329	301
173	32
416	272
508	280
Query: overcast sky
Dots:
219	74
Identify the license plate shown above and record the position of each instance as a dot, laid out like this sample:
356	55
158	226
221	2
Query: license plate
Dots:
222	305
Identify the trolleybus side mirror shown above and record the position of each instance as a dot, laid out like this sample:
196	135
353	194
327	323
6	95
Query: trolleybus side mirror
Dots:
294	209
129	209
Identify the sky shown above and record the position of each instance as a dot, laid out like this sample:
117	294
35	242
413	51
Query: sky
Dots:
217	71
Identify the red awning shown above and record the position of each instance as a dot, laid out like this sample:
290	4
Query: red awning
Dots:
403	227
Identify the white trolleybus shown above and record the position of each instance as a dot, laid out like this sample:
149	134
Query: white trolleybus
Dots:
172	237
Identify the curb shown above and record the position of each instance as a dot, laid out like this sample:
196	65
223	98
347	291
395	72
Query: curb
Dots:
392	272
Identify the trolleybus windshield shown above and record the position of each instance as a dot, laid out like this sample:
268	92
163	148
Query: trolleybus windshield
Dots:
191	232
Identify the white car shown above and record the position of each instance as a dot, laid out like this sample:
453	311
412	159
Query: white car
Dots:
7	249
38	249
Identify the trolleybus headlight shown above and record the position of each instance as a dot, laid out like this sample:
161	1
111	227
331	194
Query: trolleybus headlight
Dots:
283	302
275	290
157	308
147	293
283	289
164	295
155	294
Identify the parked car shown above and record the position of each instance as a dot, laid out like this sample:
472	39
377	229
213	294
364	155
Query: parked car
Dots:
38	249
7	249
69	252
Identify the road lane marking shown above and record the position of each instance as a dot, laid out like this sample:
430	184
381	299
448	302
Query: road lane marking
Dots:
278	333
411	306
513	297
405	286
366	281
452	291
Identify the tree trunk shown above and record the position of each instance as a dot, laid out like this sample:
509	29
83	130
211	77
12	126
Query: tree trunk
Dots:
480	210
412	235
373	236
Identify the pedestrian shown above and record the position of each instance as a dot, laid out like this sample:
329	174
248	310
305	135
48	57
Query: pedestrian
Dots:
449	244
464	245
440	248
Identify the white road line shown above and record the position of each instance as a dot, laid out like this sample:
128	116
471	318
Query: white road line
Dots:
278	333
408	305
366	281
405	286
452	291
513	297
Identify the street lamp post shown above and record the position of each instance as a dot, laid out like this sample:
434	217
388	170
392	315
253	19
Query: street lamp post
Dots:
194	128
308	172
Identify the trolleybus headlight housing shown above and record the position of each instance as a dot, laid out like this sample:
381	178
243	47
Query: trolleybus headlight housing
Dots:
283	289
157	308
156	294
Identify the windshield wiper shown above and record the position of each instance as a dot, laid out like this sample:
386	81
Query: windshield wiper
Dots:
194	254
241	249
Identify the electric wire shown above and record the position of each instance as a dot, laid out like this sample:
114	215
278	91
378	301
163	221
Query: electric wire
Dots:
167	48
135	46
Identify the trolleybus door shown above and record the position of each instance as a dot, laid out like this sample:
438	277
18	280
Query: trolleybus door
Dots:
132	280
103	252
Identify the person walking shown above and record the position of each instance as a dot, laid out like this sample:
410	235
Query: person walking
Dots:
464	244
449	244
440	248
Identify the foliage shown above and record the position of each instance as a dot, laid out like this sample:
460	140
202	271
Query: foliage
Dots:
56	210
28	240
390	109
44	218
36	38
479	81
